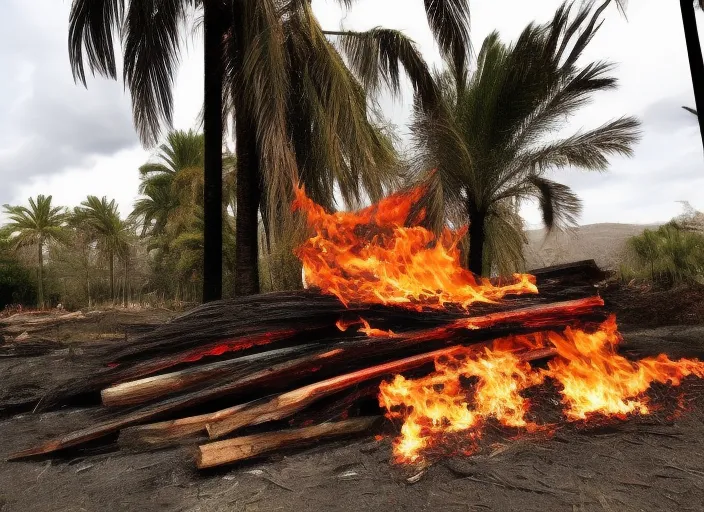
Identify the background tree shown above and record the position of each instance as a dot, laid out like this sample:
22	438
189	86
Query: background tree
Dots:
37	225
492	142
16	284
100	220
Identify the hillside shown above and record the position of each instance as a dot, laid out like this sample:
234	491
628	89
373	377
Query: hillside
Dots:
602	242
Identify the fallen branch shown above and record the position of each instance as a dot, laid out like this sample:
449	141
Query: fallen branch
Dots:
242	448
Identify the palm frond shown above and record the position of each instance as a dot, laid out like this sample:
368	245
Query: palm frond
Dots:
449	21
375	57
92	25
691	110
559	206
151	40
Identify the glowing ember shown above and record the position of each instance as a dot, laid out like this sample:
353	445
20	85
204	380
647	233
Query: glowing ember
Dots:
376	333
373	256
592	378
595	379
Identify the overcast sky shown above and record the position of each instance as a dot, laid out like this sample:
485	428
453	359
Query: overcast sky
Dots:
59	138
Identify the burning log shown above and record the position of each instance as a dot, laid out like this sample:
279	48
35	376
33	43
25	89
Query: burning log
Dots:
284	405
241	448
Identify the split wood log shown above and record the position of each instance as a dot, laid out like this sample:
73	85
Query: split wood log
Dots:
242	448
284	405
466	331
150	388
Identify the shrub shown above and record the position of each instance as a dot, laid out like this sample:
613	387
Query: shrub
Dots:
669	255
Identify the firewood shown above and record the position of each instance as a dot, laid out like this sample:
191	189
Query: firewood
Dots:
150	388
341	356
241	448
283	405
170	432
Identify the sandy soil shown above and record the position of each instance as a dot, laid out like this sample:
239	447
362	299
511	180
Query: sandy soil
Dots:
653	463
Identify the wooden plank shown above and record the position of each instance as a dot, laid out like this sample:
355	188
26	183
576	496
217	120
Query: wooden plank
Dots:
238	449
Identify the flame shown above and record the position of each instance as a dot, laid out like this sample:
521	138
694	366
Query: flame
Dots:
376	333
438	404
373	256
592	377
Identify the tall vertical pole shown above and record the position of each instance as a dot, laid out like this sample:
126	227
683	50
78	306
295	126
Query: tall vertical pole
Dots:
212	126
696	62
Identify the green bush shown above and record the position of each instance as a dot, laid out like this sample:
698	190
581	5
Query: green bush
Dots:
17	285
669	255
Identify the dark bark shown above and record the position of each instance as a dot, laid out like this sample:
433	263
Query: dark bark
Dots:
696	62
477	236
40	275
212	127
248	201
112	277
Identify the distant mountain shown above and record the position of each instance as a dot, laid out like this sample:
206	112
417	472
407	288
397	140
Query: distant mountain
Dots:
603	243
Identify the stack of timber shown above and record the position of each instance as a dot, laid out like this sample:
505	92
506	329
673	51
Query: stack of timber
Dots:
291	368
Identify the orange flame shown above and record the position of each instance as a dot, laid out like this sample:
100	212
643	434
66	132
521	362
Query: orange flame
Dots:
372	256
438	404
592	377
596	380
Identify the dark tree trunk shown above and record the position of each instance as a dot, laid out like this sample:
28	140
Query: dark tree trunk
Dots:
248	200
212	127
112	278
249	191
476	241
40	275
696	63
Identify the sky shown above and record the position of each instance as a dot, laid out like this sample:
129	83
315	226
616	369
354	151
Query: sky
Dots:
60	138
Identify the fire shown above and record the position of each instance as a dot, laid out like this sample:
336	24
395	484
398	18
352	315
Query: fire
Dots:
367	329
596	380
592	377
439	404
381	255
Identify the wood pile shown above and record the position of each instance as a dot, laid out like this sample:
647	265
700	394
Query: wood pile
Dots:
287	369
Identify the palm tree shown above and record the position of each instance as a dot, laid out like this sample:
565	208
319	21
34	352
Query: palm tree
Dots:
37	225
101	221
182	152
492	142
279	73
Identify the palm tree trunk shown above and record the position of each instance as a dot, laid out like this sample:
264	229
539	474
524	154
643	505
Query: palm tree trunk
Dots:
248	195
696	62
477	236
40	273
248	200
212	187
112	278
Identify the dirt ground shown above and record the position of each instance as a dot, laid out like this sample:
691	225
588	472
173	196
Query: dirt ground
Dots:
652	463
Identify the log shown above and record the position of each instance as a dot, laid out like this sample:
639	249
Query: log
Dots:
284	405
150	388
242	448
337	358
166	433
